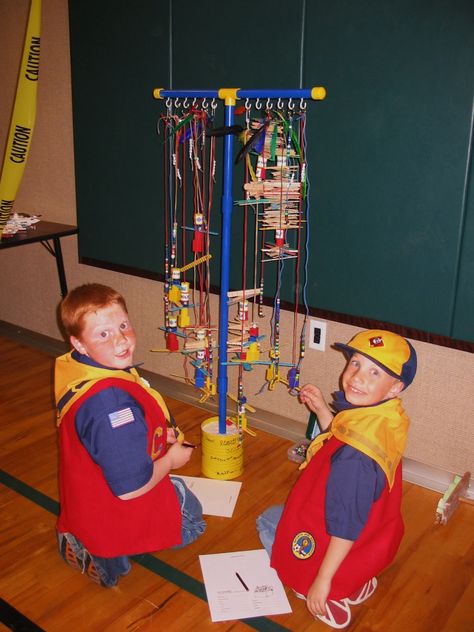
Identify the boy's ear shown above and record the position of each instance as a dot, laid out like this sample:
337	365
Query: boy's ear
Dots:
77	344
396	389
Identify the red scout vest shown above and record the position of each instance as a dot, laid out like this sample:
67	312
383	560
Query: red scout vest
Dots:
301	539
106	525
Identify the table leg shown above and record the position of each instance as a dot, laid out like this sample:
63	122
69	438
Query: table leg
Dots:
60	265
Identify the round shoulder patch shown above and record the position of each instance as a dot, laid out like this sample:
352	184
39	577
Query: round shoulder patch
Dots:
303	545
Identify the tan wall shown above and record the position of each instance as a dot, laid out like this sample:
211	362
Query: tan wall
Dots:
440	402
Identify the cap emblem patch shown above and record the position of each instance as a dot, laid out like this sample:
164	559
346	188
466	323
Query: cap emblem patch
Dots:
377	341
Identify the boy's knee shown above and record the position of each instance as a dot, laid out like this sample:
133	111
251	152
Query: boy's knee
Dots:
270	517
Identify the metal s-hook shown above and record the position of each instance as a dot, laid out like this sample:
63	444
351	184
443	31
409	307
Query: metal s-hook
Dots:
247	112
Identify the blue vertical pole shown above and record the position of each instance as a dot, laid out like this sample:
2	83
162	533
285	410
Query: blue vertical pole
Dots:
222	381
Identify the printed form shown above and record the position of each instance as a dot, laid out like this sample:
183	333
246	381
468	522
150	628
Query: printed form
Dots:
218	498
241	585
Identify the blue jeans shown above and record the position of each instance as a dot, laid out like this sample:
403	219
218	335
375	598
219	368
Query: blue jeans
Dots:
267	523
191	513
111	568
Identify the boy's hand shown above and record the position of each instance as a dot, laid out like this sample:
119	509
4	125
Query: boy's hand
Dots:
171	435
317	596
314	400
178	455
319	590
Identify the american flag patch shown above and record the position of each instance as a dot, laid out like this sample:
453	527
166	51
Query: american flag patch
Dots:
121	417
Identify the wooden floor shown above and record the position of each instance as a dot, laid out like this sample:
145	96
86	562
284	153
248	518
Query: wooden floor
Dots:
429	587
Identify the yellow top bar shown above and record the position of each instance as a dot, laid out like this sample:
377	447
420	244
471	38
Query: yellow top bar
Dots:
229	95
157	93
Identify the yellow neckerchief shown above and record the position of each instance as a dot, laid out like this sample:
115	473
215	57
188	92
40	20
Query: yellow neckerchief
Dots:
379	431
71	375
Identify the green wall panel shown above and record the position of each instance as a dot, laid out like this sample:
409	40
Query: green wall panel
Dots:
118	50
391	148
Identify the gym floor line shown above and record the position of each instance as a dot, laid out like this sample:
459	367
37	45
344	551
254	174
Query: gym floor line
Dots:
148	561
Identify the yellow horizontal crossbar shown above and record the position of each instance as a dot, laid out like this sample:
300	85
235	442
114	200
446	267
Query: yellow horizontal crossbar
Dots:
195	263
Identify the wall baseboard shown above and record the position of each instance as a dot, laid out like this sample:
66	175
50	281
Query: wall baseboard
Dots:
29	338
430	477
413	471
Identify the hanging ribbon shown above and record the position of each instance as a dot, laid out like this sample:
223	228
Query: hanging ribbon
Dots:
23	116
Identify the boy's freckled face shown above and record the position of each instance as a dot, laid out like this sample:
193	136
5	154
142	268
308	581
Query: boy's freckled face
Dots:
107	337
365	383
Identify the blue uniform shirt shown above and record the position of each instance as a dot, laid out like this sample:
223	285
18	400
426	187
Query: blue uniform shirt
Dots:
355	482
119	449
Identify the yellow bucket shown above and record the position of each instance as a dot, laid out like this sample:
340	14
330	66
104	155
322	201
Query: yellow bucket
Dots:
222	454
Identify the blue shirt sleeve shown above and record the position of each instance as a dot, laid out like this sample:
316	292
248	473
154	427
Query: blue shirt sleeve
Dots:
355	482
112	428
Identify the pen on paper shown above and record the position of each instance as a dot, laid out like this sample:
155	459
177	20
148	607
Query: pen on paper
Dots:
242	582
